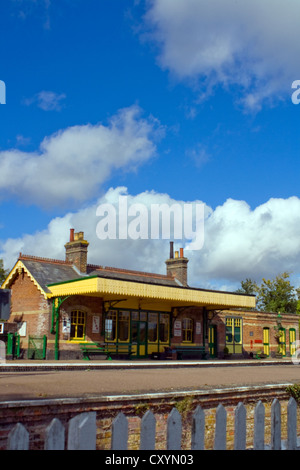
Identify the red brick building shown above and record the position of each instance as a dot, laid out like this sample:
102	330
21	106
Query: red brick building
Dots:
64	305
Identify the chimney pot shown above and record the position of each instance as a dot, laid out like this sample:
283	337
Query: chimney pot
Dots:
177	266
76	250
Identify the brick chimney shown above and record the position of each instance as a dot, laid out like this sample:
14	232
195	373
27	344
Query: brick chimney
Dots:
76	250
177	266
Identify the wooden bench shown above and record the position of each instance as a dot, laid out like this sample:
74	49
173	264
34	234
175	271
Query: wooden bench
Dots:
91	348
117	349
181	351
106	349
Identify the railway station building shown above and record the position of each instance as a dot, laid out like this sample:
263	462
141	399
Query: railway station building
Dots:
60	308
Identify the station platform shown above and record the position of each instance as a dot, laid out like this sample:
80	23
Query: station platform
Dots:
24	364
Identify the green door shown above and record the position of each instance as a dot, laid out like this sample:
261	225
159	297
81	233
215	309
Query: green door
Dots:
281	342
234	341
139	338
292	337
212	340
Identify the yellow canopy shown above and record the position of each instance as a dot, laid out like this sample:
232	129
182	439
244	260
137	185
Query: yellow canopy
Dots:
109	289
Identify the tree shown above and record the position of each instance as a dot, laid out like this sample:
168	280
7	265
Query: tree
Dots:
3	272
277	295
273	295
248	287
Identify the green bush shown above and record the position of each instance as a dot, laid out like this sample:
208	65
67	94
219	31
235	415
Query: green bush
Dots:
294	391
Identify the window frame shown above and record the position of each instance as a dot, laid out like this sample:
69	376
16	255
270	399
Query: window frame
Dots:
113	329
75	324
187	330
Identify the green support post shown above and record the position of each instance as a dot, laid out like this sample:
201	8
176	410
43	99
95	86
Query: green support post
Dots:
10	342
13	345
55	320
17	345
44	346
56	347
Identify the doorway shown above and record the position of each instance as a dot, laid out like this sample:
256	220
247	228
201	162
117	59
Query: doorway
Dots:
266	341
212	340
139	338
234	341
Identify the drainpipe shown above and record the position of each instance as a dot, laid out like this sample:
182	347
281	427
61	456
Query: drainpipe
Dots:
55	321
204	325
56	346
55	318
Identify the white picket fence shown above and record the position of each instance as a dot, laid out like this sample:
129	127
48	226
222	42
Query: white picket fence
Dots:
82	430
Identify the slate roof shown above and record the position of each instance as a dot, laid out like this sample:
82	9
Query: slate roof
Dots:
46	271
136	276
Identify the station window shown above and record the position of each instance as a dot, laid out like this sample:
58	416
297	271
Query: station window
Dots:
78	319
152	327
229	335
111	326
237	330
123	334
164	328
187	330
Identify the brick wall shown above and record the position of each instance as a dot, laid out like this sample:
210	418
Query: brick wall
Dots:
37	415
92	306
30	306
196	315
254	323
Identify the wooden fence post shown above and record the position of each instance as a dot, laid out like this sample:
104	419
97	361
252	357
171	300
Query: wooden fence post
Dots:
259	427
240	427
174	430
275	425
292	424
119	436
82	432
55	436
198	429
18	438
220	430
148	426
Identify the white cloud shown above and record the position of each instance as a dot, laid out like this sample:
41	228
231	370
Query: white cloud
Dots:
240	242
243	243
142	255
47	100
249	43
198	155
72	164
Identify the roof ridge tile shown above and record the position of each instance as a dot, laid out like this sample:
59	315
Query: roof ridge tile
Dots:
42	259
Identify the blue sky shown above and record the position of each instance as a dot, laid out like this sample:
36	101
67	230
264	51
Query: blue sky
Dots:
170	100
